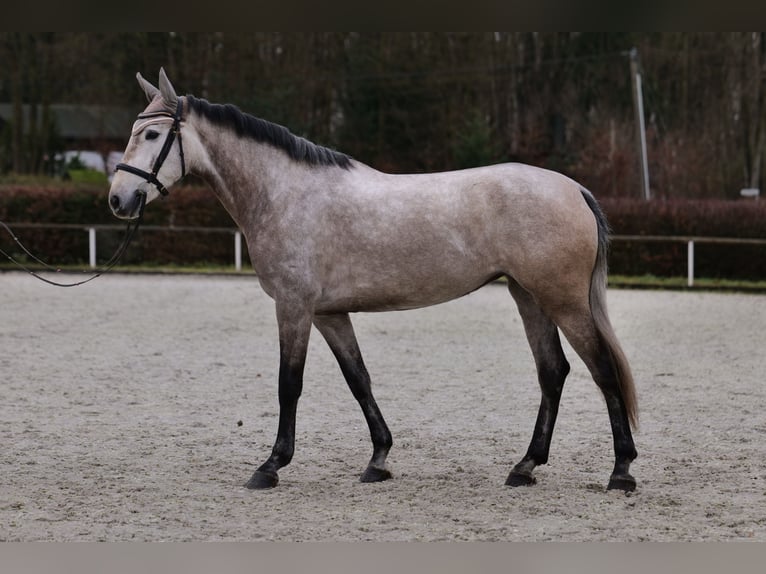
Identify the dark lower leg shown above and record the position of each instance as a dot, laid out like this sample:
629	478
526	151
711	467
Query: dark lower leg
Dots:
624	447
552	370
604	374
293	340
339	334
539	446
381	442
282	453
359	382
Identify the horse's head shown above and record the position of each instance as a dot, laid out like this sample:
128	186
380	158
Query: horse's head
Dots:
154	158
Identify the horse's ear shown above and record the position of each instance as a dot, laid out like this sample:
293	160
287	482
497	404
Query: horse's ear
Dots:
167	90
149	90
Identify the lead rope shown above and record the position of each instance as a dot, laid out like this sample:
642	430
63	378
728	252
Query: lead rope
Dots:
130	232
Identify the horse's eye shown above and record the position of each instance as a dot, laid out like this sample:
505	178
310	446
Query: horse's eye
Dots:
152	135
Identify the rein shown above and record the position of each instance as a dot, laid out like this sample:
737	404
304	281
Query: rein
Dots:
130	232
133	225
151	177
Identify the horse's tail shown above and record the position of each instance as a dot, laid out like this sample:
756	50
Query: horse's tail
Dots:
601	318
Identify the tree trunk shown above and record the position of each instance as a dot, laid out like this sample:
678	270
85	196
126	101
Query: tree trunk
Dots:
17	126
759	149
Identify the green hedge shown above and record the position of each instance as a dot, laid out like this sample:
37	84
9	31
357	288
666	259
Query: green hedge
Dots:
197	206
70	203
701	218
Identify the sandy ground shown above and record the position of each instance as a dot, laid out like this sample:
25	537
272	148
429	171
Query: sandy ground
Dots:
121	403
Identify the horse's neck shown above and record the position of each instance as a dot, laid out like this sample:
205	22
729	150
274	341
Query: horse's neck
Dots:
239	170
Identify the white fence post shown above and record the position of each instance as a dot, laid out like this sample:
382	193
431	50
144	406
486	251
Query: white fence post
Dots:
238	251
92	247
690	263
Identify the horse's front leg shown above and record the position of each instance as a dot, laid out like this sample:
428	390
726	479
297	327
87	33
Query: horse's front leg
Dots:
339	334
294	329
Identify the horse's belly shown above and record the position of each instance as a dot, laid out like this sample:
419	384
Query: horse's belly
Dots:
397	292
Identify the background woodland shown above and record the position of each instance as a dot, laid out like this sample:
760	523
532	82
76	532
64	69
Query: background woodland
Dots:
433	101
415	102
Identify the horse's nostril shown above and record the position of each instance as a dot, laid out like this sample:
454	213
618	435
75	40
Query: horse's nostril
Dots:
114	201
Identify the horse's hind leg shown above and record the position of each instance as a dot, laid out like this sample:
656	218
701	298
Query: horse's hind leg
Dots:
552	369
339	334
580	330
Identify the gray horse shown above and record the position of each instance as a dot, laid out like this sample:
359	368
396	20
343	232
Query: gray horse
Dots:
329	236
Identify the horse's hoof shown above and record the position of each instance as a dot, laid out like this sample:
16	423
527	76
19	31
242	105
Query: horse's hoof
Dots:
261	480
623	482
520	479
372	474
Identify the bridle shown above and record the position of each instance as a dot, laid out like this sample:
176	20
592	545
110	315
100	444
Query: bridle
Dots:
174	131
151	177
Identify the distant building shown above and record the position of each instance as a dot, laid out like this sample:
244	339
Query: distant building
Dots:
96	135
93	127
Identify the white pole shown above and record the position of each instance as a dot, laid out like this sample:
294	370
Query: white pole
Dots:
638	99
644	160
238	251
690	262
92	247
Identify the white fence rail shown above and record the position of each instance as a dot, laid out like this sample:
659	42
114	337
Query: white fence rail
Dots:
92	231
690	241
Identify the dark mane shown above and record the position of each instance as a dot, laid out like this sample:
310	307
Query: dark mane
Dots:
298	148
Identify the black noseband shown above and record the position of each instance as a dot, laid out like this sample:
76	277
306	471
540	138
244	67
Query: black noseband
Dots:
151	177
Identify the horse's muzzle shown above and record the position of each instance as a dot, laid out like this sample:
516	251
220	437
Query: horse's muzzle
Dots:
127	207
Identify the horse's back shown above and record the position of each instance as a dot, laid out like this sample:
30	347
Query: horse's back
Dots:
403	241
507	214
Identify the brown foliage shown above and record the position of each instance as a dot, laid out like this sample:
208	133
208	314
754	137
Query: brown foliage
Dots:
702	218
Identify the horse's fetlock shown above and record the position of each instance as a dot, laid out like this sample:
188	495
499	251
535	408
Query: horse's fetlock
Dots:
565	368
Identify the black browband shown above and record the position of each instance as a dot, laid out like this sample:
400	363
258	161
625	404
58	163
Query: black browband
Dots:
174	131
